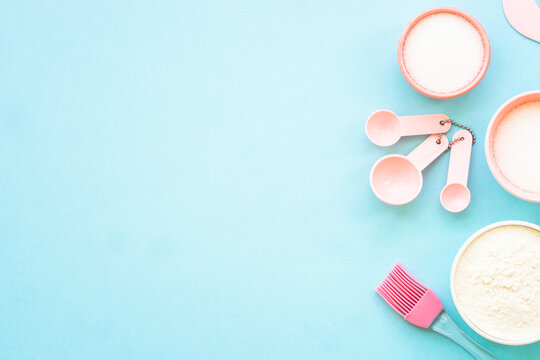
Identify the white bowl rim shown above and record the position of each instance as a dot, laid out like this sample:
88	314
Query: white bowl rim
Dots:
453	289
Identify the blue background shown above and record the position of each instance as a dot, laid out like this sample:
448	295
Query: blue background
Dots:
190	180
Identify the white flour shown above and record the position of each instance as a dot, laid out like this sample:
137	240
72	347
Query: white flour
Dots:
497	282
516	146
443	52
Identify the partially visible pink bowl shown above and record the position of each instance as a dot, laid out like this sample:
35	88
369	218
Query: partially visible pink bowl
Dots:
458	92
490	153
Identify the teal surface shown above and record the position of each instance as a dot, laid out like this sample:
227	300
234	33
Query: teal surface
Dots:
190	180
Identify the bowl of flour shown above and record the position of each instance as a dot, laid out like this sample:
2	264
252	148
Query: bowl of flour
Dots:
513	145
495	282
443	52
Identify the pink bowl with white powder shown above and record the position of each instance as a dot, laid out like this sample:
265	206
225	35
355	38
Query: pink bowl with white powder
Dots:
513	145
443	52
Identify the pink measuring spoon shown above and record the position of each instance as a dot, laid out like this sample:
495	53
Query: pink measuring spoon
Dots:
384	128
455	196
397	179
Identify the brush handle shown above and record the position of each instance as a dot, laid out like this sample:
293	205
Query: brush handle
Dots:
444	325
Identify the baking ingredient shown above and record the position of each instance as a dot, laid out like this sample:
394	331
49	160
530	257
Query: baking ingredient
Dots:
497	282
516	146
443	53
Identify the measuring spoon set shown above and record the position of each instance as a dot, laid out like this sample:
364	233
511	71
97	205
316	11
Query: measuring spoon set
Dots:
397	179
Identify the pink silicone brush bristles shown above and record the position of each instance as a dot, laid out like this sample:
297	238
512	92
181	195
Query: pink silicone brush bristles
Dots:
421	307
410	298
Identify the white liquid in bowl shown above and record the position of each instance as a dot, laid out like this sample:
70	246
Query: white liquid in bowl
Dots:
443	53
516	146
497	283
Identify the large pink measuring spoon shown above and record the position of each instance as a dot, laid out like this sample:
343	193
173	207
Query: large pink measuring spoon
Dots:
397	179
384	128
455	196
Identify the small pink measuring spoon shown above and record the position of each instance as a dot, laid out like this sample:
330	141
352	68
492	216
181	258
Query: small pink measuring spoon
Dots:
397	179
455	196
384	128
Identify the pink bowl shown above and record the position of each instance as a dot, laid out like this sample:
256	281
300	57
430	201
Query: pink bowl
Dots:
490	156
479	76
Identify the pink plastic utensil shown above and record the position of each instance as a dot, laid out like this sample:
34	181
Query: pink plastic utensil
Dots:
455	196
420	306
384	128
397	179
524	16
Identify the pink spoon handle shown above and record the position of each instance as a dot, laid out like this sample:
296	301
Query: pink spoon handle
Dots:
423	124
460	157
427	151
